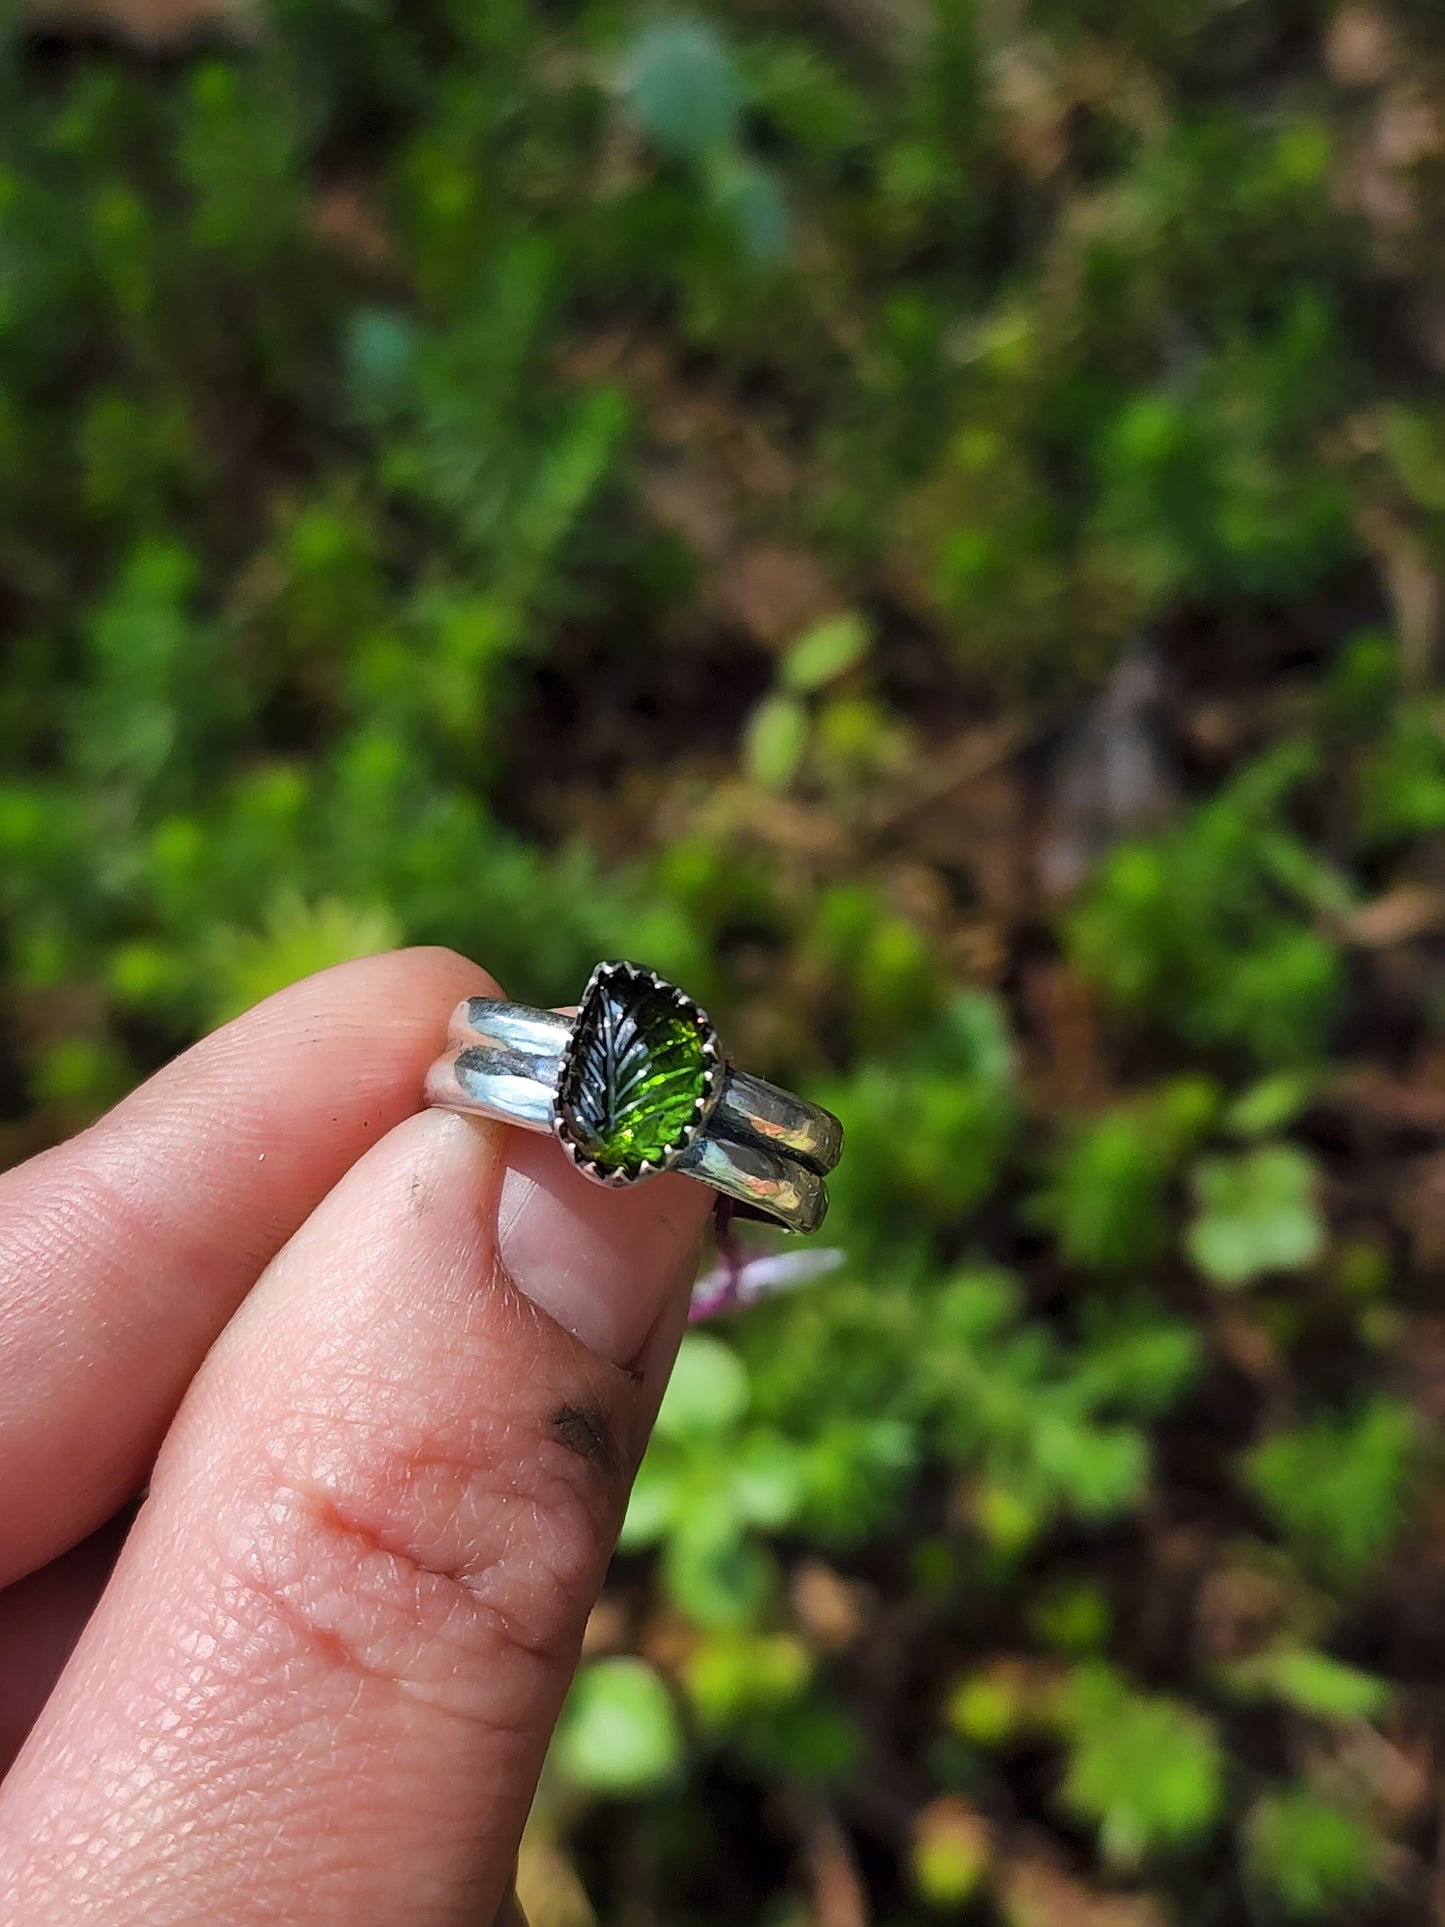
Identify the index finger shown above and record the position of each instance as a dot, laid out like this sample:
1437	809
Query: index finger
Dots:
124	1251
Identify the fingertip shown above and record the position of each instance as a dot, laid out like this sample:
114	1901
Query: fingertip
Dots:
391	989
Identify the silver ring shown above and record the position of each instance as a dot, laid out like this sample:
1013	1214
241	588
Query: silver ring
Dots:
637	1083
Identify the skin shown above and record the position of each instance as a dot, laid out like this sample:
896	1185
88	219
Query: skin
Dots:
388	1373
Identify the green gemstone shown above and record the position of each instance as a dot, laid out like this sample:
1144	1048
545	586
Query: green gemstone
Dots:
637	1068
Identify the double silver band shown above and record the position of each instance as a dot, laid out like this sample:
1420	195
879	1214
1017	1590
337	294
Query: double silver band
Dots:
761	1146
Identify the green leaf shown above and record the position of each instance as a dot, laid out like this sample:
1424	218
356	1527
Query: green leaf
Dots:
767	1479
1100	1470
811	1740
1402	778
1146	1769
931	1129
749	198
730	1675
950	1854
1106	1201
1270	1105
1415	443
1203	928
652	1504
1009	1516
85	1071
718	1578
776	737
1335	1486
1073	1617
1311	1856
618	1733
1311	1682
990	1707
825	653
680	83
1135	1359
380	347
976	1304
1255	1214
707	1393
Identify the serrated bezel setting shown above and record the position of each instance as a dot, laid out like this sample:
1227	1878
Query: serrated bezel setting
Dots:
608	979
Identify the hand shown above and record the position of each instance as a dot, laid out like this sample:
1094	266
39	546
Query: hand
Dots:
400	1367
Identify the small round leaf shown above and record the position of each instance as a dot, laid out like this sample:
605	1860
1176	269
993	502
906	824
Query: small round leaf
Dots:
618	1732
708	1391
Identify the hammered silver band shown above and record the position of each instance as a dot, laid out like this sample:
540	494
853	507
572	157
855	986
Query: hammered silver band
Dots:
762	1146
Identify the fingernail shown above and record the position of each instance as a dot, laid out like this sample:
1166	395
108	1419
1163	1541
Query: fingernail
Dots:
603	1263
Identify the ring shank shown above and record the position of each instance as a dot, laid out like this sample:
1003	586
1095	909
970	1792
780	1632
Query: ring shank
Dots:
762	1146
763	1181
751	1108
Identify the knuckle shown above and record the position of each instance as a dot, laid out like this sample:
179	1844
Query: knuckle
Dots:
459	1570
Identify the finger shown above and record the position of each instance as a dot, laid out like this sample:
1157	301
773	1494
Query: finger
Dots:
348	1612
124	1251
40	1620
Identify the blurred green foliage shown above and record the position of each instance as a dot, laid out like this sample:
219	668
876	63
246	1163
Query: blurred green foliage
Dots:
1114	1729
1312	1858
587	482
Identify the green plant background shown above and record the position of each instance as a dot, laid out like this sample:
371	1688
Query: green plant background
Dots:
576	482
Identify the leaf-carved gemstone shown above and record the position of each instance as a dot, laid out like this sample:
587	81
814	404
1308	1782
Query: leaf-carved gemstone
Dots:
637	1074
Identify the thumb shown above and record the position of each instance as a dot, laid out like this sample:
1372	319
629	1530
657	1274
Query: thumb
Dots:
322	1680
